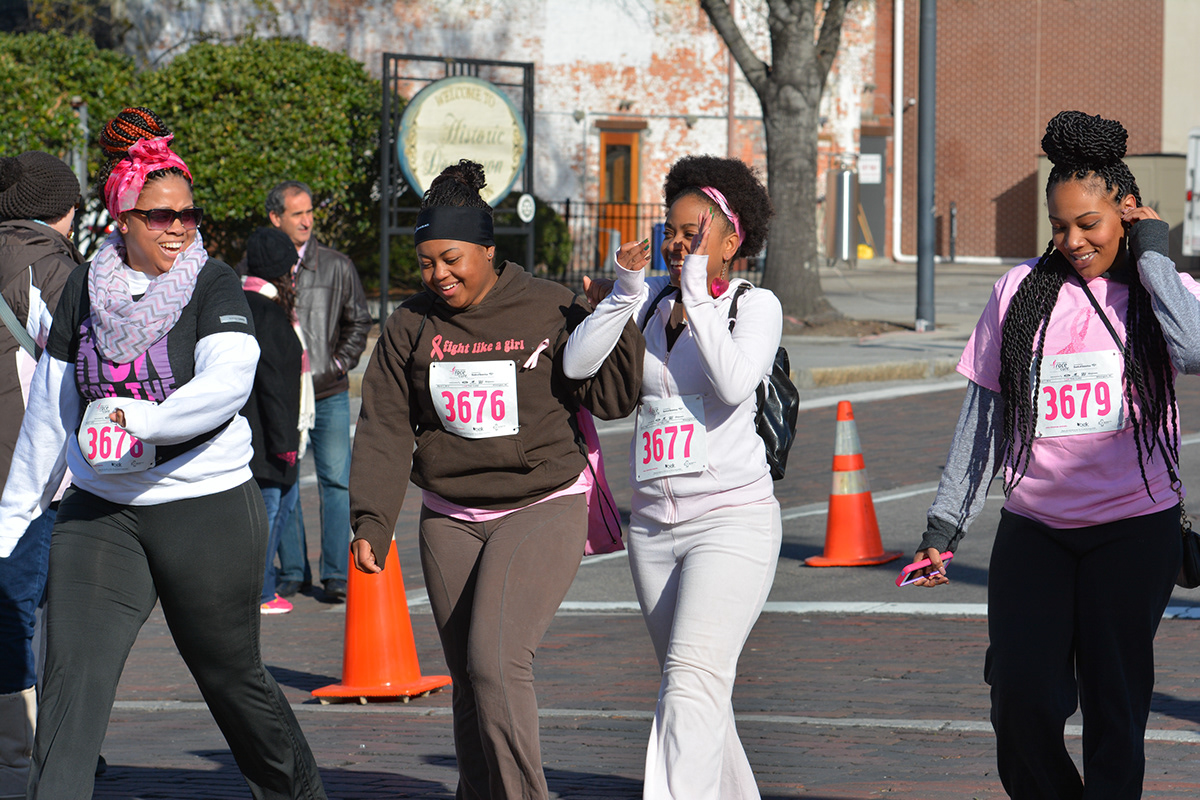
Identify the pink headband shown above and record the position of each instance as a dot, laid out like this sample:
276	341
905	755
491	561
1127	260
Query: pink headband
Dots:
720	200
129	174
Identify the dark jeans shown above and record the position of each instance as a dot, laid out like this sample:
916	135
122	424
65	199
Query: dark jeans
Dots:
329	447
203	560
1071	618
494	588
22	582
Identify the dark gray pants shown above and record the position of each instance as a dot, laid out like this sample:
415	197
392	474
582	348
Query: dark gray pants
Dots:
1071	618
202	558
494	588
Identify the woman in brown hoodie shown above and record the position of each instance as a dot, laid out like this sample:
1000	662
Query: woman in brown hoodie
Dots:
469	372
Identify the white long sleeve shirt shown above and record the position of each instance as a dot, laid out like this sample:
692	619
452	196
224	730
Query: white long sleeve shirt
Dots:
724	367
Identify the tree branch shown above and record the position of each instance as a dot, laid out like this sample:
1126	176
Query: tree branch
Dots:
753	67
831	35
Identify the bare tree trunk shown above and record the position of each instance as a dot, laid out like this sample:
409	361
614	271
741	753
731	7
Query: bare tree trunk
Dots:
790	89
792	258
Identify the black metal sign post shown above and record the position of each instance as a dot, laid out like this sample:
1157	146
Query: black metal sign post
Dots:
396	201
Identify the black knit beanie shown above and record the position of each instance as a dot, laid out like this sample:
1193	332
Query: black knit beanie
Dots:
269	253
36	185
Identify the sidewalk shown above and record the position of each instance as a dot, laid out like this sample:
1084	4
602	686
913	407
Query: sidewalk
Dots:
877	290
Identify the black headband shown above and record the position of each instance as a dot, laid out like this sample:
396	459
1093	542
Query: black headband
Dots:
458	223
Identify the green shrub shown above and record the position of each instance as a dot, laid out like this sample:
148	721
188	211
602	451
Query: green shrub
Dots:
254	113
40	73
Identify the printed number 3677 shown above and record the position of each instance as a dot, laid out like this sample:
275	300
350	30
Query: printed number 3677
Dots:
655	447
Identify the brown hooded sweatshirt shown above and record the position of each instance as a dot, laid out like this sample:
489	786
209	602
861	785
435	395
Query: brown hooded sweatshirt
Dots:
503	472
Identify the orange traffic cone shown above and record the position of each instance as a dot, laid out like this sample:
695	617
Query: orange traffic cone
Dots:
851	531
379	659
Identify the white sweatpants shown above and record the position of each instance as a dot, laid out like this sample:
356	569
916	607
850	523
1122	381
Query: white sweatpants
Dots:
701	585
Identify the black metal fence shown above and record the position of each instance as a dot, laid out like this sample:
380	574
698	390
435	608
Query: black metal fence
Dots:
596	230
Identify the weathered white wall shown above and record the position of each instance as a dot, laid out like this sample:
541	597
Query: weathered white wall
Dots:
654	60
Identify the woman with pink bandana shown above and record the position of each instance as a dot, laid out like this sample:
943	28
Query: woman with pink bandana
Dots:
150	358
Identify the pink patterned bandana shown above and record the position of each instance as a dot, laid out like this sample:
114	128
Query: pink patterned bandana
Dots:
718	198
123	187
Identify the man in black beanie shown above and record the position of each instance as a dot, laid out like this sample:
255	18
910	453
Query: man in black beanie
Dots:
38	195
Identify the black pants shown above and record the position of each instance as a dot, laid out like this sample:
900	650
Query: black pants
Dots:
202	558
1071	618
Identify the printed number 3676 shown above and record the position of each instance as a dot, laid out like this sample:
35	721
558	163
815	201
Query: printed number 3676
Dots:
655	447
459	408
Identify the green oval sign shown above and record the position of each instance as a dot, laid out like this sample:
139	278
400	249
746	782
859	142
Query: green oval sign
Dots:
457	118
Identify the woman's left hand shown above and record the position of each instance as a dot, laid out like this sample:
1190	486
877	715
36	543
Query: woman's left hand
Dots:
118	417
698	246
364	557
1132	215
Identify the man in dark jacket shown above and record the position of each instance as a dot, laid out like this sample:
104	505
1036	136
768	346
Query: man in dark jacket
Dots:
38	194
333	316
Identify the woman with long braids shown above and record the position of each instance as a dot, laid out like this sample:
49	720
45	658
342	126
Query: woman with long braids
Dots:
705	530
1072	369
150	357
470	373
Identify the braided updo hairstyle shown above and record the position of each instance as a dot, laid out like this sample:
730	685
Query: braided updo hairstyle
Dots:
458	185
1084	148
121	132
746	195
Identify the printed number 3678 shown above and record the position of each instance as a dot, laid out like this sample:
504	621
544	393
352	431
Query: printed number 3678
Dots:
101	443
655	447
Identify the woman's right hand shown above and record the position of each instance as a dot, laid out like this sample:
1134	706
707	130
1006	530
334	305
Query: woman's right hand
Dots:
929	580
364	557
597	290
633	256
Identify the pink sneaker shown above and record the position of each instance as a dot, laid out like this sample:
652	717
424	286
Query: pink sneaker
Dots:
276	606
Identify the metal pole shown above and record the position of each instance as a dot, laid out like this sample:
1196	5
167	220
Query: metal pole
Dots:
385	191
530	227
926	154
953	230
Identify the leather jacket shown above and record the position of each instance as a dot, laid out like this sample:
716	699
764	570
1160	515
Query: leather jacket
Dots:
332	310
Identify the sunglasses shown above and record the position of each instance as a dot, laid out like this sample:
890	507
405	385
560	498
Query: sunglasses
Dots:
159	219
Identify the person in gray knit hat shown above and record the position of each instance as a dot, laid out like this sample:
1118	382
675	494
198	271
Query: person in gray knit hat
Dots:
38	194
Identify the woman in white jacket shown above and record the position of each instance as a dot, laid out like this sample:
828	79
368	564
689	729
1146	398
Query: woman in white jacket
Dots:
705	530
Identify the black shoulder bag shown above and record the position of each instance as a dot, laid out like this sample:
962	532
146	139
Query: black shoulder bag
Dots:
1189	568
778	403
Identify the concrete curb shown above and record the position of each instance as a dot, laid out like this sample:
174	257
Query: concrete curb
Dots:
912	370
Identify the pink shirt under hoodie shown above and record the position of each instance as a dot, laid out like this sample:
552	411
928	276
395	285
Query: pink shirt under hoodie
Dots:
724	367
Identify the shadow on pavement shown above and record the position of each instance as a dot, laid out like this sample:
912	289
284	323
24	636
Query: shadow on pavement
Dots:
305	681
1171	706
144	783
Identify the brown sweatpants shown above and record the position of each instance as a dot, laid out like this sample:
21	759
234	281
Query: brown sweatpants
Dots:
494	588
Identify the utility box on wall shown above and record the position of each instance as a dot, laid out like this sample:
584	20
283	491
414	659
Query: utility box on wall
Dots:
1161	180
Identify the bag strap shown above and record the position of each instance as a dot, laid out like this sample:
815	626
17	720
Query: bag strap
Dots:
733	306
9	317
666	290
1103	317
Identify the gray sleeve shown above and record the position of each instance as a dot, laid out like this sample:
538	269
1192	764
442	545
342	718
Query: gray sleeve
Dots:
1177	309
976	452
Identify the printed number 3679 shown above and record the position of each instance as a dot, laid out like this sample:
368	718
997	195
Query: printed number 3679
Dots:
1066	402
